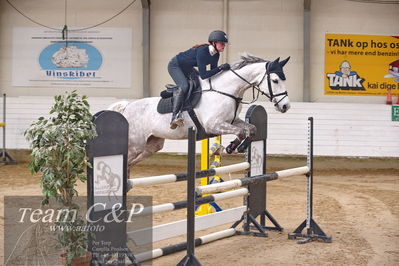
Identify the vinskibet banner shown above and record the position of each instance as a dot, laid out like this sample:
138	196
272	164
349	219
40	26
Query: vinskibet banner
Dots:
99	57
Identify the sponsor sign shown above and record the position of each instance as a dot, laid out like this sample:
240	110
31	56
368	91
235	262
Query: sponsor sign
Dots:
361	64
395	112
98	57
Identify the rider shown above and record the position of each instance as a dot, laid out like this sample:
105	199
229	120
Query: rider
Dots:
182	65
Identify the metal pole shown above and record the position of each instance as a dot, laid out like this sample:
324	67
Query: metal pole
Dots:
4	127
190	259
146	47
313	230
225	27
191	193
306	51
310	174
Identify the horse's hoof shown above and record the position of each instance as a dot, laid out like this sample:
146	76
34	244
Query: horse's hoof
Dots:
233	145
229	149
244	145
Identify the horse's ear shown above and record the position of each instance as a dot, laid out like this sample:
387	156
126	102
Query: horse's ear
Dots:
282	63
276	61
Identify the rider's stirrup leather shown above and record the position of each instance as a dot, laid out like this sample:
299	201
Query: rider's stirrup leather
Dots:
178	99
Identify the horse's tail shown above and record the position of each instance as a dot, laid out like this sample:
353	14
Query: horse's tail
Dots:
118	106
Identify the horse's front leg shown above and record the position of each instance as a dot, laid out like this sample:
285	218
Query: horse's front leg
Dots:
238	128
247	126
223	128
238	143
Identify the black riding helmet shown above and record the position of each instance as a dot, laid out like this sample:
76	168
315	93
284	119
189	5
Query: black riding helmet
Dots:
218	36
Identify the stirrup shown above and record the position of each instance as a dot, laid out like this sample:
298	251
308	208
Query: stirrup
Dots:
177	121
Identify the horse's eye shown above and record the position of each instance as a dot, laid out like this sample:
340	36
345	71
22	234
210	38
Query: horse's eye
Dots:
275	81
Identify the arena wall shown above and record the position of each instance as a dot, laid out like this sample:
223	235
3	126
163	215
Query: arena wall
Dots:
348	125
266	28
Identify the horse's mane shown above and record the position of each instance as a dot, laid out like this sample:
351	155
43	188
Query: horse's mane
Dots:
247	59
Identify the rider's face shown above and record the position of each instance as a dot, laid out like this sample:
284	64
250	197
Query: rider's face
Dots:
220	46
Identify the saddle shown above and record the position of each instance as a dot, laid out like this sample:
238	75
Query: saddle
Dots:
165	105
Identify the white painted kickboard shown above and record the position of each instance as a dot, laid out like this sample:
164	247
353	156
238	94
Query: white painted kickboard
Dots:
169	230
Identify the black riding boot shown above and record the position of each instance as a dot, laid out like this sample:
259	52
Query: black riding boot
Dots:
178	99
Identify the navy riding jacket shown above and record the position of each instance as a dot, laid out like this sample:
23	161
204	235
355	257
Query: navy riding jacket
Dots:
200	58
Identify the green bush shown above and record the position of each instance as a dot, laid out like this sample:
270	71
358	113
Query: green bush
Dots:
59	152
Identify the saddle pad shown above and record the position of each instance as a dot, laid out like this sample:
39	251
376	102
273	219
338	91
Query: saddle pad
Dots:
165	106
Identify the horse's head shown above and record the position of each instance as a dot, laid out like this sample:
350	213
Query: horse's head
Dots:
265	76
272	84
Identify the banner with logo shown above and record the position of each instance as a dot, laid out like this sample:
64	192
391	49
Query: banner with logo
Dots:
361	64
99	57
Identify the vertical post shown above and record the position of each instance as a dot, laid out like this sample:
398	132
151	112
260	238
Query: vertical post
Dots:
310	174
109	150
191	192
256	156
306	50
204	208
204	158
5	157
206	154
4	127
225	27
313	230
190	258
146	47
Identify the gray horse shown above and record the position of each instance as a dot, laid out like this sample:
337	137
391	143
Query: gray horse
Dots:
217	110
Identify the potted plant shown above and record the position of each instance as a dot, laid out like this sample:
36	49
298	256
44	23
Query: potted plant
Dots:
59	152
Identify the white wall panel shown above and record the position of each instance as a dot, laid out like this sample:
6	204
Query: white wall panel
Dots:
341	129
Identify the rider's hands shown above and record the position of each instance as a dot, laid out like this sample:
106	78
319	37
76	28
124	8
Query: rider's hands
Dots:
224	66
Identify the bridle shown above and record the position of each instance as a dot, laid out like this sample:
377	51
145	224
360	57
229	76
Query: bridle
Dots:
256	87
271	95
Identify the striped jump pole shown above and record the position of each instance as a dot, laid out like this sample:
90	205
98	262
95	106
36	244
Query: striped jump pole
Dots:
232	184
163	179
159	252
198	201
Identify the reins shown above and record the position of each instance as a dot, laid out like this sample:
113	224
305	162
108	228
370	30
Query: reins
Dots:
236	99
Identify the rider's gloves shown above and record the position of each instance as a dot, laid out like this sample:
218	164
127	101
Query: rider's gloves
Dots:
224	66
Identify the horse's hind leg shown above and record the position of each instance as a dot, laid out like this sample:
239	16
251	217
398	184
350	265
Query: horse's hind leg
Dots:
152	145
